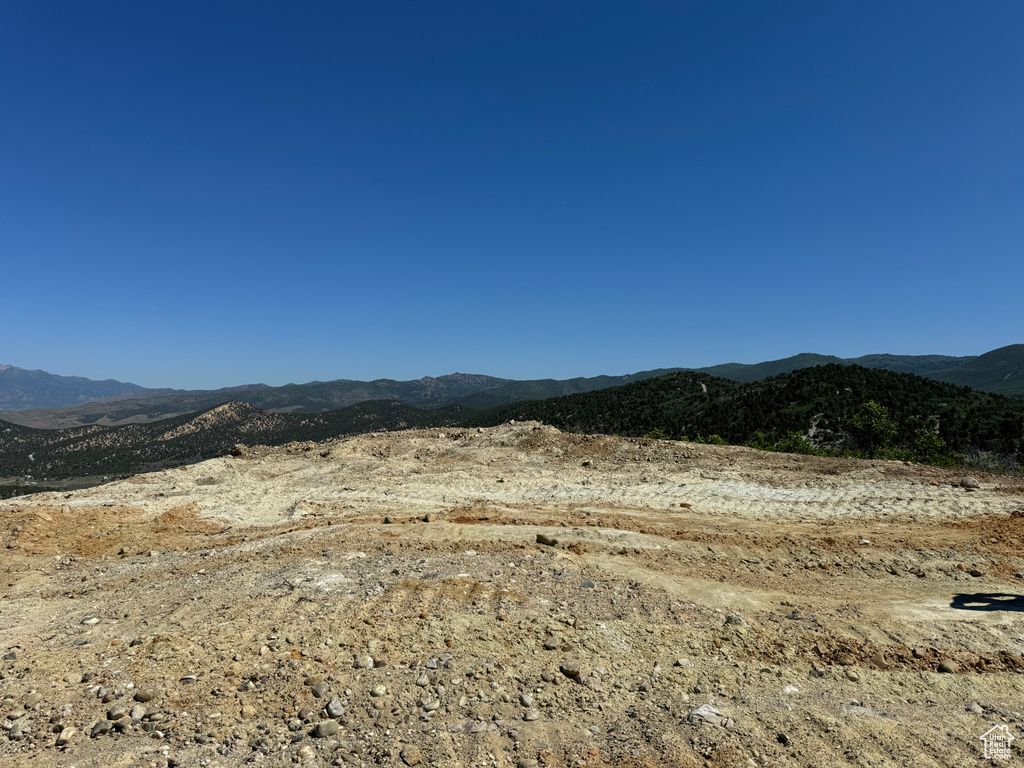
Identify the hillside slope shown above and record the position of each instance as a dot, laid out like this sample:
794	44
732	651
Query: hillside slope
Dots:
819	400
131	448
1001	370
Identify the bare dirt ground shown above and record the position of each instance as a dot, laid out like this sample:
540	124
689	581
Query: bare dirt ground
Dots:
384	600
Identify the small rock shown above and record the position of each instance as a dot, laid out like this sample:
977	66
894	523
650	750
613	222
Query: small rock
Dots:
949	667
790	690
248	712
378	690
11	656
431	705
18	728
146	694
571	668
138	712
325	729
970	483
920	653
335	708
547	541
32	699
319	690
852	676
707	714
90	621
975	707
411	755
526	700
552	644
735	620
423	681
66	735
364	662
388	520
117	711
531	714
865	542
101	728
783	739
684	663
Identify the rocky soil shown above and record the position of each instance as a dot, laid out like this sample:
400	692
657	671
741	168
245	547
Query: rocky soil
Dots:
513	596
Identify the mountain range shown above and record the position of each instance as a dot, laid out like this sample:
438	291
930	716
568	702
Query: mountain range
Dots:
21	389
40	399
812	407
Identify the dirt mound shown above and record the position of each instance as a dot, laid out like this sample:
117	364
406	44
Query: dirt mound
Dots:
514	596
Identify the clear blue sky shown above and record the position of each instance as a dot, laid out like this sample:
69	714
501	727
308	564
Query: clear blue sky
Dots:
201	194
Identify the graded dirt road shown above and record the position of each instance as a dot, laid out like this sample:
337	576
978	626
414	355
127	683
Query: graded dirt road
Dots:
384	600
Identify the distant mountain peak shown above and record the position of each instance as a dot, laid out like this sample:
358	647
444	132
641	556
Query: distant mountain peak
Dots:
22	389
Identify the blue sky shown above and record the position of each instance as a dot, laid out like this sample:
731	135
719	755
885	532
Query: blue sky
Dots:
206	194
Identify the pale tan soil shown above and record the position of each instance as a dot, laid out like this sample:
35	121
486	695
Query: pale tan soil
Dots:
282	559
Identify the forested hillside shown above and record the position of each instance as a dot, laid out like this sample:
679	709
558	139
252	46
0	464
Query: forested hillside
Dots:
1001	371
135	448
827	403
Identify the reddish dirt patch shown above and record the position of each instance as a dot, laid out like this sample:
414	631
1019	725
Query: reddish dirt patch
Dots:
999	534
99	531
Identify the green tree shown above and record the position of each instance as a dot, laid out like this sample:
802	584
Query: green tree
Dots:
796	442
872	428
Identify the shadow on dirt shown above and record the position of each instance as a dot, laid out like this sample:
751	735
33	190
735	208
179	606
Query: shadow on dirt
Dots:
988	601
